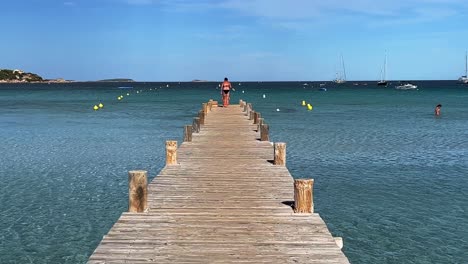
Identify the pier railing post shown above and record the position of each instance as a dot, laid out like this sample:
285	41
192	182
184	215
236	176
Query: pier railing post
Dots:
205	108
256	117
245	107
249	110
280	154
259	124
201	115
210	105
303	200
252	114
137	191
188	133
339	242
196	125
171	152
264	133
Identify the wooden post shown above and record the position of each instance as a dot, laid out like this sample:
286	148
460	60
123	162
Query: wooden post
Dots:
205	108
257	116
259	124
240	102
245	107
339	242
264	136
280	154
251	116
171	152
210	105
188	133
303	202
201	115
196	125
137	191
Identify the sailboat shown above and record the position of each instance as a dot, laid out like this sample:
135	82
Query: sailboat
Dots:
383	74
464	78
341	78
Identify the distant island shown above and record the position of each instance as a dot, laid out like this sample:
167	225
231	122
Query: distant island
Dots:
19	76
117	80
196	80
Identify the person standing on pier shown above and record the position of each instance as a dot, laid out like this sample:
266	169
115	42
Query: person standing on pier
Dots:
225	91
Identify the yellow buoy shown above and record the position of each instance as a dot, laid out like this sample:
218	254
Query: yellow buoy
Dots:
303	103
100	105
119	98
96	108
309	107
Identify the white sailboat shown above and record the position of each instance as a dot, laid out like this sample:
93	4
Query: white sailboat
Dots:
383	73
464	78
341	77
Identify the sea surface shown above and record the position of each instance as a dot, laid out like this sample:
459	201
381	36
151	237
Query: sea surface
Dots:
390	177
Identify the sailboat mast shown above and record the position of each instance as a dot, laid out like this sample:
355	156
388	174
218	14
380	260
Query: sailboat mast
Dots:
385	67
344	69
466	64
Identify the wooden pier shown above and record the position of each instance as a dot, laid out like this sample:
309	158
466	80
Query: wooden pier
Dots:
224	196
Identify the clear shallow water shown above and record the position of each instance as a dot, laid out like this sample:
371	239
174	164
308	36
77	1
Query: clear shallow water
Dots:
390	178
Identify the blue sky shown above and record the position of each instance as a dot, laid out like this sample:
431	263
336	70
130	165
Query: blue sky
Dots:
270	40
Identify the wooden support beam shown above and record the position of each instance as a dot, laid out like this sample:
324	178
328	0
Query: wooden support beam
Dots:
303	200
137	191
171	152
188	133
280	154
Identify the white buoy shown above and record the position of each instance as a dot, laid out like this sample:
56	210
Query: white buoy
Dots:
264	96
242	91
277	110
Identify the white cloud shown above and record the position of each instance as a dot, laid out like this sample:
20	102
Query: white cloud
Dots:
69	3
292	13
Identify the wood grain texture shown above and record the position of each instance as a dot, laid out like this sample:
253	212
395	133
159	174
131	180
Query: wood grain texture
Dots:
224	202
137	191
303	199
171	152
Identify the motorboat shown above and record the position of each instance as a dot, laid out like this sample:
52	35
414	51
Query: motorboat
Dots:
406	86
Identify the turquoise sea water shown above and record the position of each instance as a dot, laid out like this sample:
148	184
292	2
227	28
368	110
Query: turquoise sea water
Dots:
390	178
